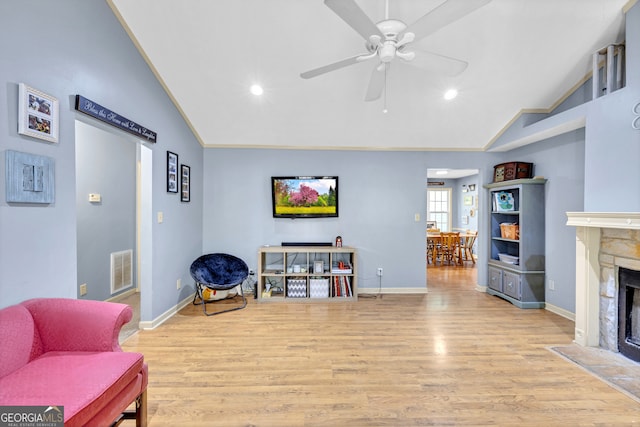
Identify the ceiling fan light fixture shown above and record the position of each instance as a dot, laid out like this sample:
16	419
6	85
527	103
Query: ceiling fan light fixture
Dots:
450	94
391	37
256	90
387	52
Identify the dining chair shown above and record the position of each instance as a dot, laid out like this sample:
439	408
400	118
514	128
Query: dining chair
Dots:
449	249
467	249
433	237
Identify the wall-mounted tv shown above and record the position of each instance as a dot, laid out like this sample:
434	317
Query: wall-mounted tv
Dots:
304	196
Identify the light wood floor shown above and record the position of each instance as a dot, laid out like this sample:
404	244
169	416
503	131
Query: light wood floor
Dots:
452	357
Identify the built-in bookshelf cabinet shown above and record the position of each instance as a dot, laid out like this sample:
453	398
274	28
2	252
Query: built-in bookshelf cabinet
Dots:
517	256
306	273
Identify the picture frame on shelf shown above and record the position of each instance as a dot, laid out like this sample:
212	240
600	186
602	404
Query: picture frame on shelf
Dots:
318	267
172	172
38	114
432	225
185	183
504	201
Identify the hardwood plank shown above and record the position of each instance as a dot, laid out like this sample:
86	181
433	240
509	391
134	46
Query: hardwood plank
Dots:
454	356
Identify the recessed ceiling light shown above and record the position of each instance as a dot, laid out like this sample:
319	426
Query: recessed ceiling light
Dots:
450	94
257	90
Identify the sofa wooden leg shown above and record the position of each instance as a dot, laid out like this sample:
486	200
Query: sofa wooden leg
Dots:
140	414
141	410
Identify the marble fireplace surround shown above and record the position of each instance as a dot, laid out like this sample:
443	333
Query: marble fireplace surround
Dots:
604	241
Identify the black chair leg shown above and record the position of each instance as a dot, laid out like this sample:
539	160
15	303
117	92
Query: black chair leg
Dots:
198	295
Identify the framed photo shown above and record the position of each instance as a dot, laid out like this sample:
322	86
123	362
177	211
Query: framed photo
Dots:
318	267
468	200
38	114
432	225
504	201
185	183
172	172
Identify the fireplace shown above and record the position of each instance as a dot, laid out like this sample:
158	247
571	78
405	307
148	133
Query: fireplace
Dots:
607	243
629	313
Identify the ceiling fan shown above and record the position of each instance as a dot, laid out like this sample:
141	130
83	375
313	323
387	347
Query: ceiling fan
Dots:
391	38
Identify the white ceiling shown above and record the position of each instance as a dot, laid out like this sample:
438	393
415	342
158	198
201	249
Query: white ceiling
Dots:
522	54
443	173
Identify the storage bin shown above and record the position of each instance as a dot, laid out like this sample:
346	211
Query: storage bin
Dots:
319	288
512	170
510	231
296	288
510	259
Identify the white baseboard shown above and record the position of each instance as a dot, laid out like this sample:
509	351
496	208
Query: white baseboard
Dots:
560	311
552	308
392	290
125	294
166	315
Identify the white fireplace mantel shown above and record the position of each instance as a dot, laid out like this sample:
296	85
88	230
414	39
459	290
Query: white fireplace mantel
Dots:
626	220
588	225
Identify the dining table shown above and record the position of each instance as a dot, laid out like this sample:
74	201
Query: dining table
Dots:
434	239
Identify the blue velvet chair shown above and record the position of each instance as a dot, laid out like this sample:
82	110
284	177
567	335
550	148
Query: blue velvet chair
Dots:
218	272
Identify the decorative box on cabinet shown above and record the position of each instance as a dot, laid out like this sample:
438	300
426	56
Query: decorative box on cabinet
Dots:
303	273
521	283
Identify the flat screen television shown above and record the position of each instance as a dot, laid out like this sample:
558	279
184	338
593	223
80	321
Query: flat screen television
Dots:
304	196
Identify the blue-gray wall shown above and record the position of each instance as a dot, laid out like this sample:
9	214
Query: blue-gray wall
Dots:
591	169
105	164
380	193
561	161
463	210
79	47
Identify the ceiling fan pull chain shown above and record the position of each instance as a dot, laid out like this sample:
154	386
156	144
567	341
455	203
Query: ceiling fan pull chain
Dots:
384	108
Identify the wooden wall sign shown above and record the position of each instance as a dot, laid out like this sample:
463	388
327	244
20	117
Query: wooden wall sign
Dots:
103	114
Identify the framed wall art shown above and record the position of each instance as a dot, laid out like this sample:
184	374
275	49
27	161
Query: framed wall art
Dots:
172	172
30	178
185	183
38	114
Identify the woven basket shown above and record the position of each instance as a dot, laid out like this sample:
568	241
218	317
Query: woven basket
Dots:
510	231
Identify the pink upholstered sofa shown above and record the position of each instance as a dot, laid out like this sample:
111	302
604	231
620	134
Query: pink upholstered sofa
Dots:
65	352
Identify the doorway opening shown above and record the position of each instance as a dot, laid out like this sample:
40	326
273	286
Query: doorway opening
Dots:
452	206
113	208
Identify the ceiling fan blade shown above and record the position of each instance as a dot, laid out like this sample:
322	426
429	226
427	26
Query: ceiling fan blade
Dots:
443	15
435	63
355	17
376	83
335	66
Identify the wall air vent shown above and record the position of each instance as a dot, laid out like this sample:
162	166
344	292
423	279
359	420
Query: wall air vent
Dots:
121	270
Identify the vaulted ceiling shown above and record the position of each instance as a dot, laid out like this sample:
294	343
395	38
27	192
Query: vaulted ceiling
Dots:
522	54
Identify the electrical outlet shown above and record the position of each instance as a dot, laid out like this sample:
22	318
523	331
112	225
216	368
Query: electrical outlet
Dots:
552	285
83	289
379	271
178	283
